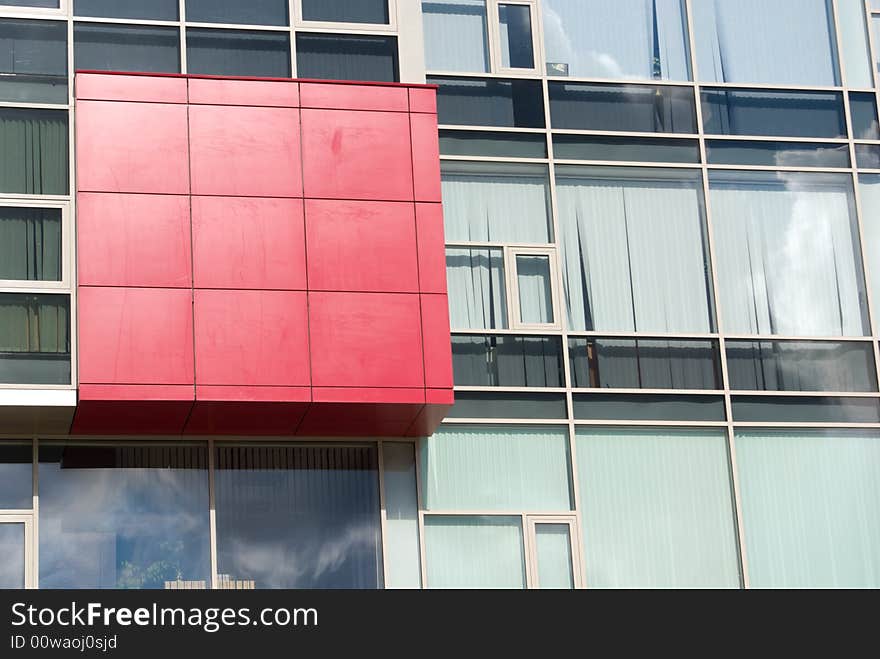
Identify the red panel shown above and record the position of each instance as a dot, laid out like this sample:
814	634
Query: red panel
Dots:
365	340
432	249
131	147
435	334
357	155
248	410
152	89
241	242
242	151
354	97
135	336
133	240
423	100
362	246
135	417
358	420
244	92
426	157
430	418
253	338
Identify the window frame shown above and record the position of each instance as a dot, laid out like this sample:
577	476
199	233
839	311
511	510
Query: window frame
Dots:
297	21
8	11
511	276
26	519
36	286
496	55
531	548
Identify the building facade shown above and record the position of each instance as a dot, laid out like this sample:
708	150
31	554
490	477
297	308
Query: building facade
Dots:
661	232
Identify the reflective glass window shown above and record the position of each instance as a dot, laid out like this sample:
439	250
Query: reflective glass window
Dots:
347	57
156	10
238	53
496	102
139	48
346	11
33	61
34	339
456	35
252	12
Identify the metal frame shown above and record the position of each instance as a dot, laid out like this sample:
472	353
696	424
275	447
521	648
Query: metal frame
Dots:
44	286
493	10
574	540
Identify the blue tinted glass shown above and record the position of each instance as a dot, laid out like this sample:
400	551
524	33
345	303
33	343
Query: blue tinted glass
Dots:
863	110
237	53
33	61
773	113
346	11
126	48
868	156
157	10
777	154
130	516
346	57
499	145
311	515
16	476
644	407
628	149
476	102
51	4
251	12
637	108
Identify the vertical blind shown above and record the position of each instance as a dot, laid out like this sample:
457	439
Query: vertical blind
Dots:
477	293
34	323
869	189
456	35
33	151
30	244
633	255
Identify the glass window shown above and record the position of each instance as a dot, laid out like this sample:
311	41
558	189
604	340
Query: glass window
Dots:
50	4
648	407
456	35
238	53
805	409
157	10
507	361
644	364
875	29
347	57
658	508
33	151
30	244
868	156
496	102
534	288
636	108
493	202
401	516
790	264
766	41
33	61
496	468
517	50
773	113
16	476
634	252
869	189
477	288
127	516
863	110
12	548
252	12
505	405
138	48
854	46
474	552
625	39
800	366
34	339
814	526
628	149
492	145
553	556
295	507
777	154
346	11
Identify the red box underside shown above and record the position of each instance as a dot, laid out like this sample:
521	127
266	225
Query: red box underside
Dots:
259	257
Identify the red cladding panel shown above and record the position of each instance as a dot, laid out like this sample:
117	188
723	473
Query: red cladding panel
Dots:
242	242
141	416
245	151
362	246
135	336
354	97
423	100
432	250
359	420
366	340
426	157
131	147
435	334
133	240
151	89
357	155
204	91
251	338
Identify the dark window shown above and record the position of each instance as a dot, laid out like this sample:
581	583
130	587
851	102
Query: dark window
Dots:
346	57
868	156
33	61
777	154
346	11
33	151
515	22
480	102
507	361
773	113
126	48
34	339
493	145
626	149
801	366
644	364
156	10
811	409
16	475
863	110
250	12
647	407
30	243
50	4
500	405
238	53
637	108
